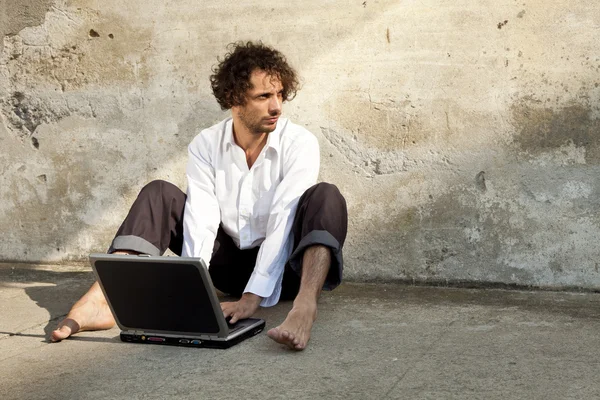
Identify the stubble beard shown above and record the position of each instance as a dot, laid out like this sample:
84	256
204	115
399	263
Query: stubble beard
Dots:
255	127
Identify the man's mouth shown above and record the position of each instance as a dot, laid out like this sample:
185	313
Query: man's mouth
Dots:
272	120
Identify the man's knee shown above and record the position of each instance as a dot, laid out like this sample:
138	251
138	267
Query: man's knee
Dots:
160	188
326	189
326	192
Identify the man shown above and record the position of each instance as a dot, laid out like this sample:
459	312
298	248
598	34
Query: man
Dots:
252	210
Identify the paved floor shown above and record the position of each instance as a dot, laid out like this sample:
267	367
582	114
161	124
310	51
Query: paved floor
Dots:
384	341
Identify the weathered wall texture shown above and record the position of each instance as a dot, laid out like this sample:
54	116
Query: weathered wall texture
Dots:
465	135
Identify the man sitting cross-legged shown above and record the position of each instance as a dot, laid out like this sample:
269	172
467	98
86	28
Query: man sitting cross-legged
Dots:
253	211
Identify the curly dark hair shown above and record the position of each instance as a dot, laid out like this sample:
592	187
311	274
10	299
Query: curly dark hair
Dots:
231	77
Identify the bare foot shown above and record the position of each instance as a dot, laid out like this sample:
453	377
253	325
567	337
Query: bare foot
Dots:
294	332
90	313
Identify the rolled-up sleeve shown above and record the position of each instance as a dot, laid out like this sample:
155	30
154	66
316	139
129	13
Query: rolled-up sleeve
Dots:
300	171
202	214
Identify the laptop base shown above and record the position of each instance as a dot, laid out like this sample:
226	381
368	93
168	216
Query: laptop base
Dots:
223	343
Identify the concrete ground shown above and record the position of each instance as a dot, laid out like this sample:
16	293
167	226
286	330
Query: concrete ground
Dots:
370	341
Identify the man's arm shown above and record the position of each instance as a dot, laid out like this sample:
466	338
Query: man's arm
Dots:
301	169
202	215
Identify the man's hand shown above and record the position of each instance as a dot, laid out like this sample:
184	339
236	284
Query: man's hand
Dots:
243	308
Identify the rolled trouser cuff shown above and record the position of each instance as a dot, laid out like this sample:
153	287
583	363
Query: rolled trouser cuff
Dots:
134	243
324	238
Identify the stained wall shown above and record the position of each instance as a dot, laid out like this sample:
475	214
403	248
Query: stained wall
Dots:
464	135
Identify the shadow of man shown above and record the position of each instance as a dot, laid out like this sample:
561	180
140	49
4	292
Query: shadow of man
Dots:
51	290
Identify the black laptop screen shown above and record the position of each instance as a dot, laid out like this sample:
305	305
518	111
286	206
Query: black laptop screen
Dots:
158	296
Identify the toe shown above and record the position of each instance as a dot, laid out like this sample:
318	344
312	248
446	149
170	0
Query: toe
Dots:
65	329
55	336
285	335
61	333
274	333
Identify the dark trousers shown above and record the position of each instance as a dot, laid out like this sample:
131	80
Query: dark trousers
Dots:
155	223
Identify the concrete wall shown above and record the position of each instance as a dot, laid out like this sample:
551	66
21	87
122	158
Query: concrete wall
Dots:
464	134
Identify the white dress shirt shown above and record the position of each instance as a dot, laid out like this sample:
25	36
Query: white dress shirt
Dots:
255	206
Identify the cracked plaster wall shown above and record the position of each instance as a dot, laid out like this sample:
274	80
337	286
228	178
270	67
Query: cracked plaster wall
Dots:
464	135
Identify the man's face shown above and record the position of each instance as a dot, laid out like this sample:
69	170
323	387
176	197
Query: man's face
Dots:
263	103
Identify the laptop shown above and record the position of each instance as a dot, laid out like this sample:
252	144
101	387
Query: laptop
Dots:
167	300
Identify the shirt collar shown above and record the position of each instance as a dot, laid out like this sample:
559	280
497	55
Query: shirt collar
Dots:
272	139
229	140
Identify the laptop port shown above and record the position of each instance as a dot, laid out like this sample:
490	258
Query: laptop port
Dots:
184	341
156	339
196	342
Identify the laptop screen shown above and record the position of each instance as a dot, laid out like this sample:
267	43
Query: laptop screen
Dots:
151	296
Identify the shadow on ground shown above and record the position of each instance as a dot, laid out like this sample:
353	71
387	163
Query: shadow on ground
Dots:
52	291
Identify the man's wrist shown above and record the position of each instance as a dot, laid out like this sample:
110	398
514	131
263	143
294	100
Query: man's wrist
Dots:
251	298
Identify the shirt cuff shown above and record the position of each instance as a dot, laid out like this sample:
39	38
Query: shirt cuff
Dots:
266	287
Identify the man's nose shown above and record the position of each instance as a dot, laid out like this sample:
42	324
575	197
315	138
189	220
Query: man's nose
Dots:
275	105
